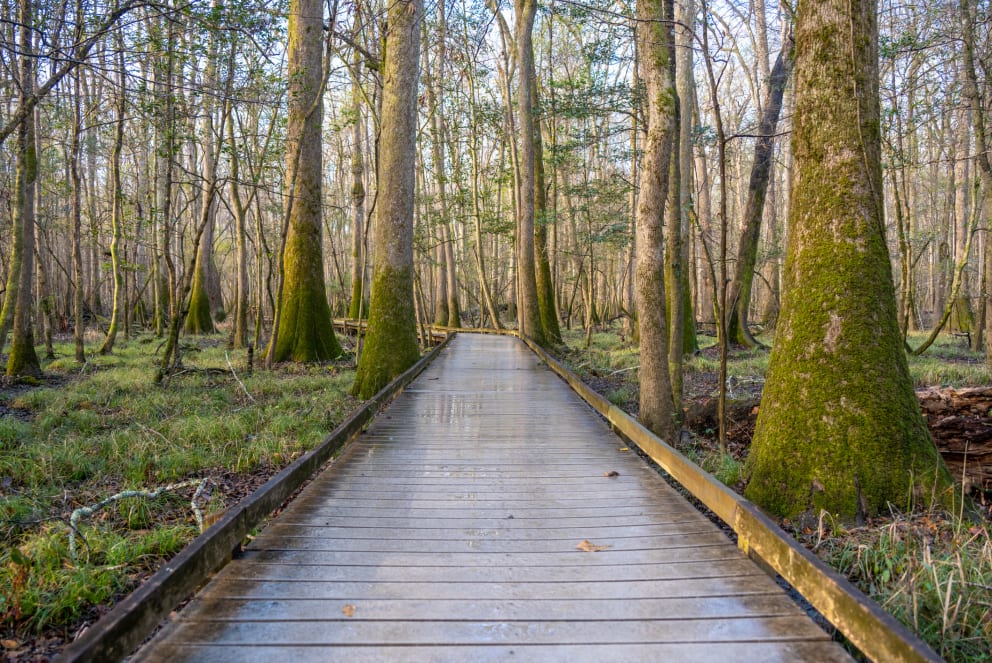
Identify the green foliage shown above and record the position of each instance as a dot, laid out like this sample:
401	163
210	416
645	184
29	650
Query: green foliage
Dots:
106	428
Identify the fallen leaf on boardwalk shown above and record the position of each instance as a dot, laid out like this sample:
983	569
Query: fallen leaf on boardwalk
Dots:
589	546
348	610
10	644
624	448
611	473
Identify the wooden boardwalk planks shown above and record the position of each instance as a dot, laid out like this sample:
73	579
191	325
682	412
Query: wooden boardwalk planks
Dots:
449	532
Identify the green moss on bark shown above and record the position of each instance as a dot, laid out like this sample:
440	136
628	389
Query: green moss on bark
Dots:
391	343
198	320
839	428
306	332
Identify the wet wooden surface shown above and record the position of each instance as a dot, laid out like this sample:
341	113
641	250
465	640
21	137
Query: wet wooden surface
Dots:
452	531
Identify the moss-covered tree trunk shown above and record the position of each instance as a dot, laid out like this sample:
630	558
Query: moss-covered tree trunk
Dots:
654	34
739	296
205	294
685	16
391	342
23	360
839	428
676	281
304	331
546	304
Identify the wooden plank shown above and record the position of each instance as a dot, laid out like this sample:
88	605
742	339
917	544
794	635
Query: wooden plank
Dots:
247	610
433	559
739	652
523	572
759	583
345	631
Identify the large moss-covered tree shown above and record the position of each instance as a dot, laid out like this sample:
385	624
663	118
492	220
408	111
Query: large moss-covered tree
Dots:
654	39
839	427
391	343
303	331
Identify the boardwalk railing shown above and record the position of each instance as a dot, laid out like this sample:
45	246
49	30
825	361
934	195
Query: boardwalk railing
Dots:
122	629
877	634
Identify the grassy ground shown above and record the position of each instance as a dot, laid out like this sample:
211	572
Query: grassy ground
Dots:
932	571
90	432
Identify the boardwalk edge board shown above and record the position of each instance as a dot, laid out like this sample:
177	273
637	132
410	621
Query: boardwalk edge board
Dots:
876	633
124	628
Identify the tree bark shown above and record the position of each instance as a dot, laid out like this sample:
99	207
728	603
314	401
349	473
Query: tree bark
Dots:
546	304
839	427
357	308
528	311
75	210
654	34
391	343
23	361
685	85
977	102
116	217
304	331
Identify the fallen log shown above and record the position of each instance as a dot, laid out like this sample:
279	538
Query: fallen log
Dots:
960	421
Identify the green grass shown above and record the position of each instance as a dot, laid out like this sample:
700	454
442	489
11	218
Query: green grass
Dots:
95	430
930	571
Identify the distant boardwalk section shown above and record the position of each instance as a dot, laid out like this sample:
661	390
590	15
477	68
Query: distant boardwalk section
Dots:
488	515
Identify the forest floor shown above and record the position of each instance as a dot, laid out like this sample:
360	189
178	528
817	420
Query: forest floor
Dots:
85	433
932	570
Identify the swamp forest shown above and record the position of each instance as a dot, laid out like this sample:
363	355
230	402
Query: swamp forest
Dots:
762	228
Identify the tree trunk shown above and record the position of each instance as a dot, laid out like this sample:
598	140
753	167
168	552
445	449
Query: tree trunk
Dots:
117	213
547	309
839	427
654	34
675	280
739	299
23	361
75	180
304	331
974	96
391	343
528	311
685	14
480	254
357	308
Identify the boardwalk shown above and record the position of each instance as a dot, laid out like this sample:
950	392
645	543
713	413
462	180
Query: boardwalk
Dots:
453	531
